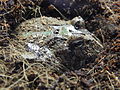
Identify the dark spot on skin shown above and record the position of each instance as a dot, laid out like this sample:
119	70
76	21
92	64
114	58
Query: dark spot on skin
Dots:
38	27
56	31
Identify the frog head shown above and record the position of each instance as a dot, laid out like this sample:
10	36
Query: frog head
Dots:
69	31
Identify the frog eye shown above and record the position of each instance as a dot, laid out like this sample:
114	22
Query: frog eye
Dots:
56	31
77	25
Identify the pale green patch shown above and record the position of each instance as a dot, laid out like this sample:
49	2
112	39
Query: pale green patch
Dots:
36	34
63	31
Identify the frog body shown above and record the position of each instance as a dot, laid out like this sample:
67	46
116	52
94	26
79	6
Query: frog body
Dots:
53	36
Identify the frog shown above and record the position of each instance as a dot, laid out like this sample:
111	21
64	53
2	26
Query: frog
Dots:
51	36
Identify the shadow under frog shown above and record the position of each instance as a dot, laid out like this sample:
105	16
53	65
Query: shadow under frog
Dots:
79	53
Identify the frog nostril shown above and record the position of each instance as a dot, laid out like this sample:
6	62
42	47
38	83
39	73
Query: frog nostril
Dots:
70	30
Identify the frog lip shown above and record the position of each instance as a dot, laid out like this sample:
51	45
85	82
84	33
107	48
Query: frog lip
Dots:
79	33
